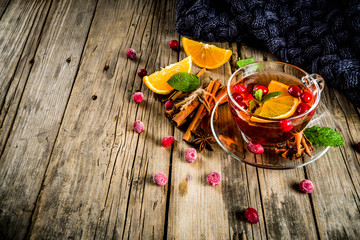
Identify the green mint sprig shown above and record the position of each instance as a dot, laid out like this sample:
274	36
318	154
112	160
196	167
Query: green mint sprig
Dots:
259	99
184	81
246	61
324	136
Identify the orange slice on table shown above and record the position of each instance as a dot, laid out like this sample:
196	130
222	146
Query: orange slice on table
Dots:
205	55
281	107
157	82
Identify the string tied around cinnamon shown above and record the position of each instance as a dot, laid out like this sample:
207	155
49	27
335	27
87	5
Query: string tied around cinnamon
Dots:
200	94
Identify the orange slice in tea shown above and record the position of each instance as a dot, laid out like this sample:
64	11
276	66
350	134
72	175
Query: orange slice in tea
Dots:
276	86
205	55
157	82
281	107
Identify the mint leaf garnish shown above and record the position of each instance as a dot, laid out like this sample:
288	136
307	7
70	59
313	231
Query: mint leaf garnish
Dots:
324	136
260	99
184	81
271	95
252	104
243	62
258	94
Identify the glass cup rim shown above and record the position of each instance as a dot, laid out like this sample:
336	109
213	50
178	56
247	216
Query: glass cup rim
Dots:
272	119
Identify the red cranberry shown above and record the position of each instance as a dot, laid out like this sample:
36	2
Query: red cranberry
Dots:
294	91
252	215
160	179
263	88
142	73
131	53
306	97
214	178
242	105
174	45
285	125
255	148
169	105
167	141
306	186
303	107
238	98
240	88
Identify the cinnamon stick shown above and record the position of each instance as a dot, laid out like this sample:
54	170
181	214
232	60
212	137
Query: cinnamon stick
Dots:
184	95
218	96
180	118
173	97
172	111
199	112
298	138
307	150
201	72
168	98
308	143
212	104
285	153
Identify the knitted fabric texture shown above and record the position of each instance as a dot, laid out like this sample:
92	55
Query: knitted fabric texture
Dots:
316	35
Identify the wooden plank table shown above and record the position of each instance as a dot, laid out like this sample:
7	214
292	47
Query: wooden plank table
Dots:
71	167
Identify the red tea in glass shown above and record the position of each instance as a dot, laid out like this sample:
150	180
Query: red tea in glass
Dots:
272	101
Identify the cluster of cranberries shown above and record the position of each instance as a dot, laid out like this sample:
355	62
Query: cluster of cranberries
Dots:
240	92
305	98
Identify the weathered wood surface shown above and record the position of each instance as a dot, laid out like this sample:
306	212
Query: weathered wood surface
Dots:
72	167
32	115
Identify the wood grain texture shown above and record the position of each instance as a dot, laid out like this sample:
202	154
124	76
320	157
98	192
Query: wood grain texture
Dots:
99	181
197	210
3	5
141	204
336	175
71	166
39	105
20	29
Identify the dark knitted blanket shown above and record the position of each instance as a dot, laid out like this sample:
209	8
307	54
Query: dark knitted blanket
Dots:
317	35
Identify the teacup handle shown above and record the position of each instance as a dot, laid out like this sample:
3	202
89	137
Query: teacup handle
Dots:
319	79
314	77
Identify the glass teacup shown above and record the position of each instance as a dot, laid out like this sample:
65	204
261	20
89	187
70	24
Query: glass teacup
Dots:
251	118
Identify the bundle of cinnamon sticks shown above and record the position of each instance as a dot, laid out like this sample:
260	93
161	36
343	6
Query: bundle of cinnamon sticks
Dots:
194	106
297	148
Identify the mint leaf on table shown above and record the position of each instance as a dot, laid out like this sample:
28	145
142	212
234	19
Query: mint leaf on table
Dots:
271	95
184	81
244	62
324	136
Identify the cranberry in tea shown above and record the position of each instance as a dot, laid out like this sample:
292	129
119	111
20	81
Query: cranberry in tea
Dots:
294	91
274	114
239	88
238	97
262	88
306	97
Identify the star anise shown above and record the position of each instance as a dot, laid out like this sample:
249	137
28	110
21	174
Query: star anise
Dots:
203	139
